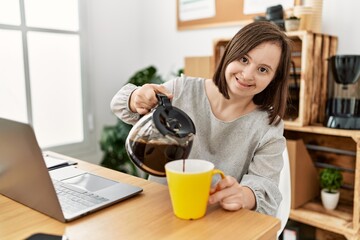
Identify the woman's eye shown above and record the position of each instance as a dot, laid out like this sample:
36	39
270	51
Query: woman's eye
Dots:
263	70
243	60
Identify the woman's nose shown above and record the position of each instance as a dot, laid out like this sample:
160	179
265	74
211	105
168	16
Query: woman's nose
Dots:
248	73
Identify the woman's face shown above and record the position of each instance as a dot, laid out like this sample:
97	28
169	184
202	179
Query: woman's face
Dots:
252	73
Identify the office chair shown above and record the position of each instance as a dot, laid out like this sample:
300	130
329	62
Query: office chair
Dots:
283	212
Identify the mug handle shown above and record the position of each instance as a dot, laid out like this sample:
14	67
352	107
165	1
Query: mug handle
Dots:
217	171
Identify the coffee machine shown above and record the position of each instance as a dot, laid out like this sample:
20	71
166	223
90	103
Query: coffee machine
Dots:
343	96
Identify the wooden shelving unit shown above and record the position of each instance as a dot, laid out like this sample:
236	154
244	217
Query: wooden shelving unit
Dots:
354	134
345	219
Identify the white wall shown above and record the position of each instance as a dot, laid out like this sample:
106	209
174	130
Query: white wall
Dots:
127	35
113	40
339	19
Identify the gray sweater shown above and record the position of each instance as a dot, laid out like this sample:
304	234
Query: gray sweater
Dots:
248	148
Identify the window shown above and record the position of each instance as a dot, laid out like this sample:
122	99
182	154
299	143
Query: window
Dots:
41	70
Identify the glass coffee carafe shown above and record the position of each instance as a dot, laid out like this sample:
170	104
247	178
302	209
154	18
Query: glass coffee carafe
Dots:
343	100
163	135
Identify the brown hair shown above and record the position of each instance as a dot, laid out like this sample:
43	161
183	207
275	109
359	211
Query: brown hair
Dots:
273	98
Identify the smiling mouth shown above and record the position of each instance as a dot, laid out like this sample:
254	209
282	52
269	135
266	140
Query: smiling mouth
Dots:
242	83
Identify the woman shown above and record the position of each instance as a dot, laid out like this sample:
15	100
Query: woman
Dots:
237	115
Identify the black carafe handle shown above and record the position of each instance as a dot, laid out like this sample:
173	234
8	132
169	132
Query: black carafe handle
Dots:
164	101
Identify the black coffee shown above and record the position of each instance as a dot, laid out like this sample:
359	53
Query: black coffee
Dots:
152	157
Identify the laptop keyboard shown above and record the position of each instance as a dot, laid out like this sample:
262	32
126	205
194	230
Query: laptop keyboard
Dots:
73	200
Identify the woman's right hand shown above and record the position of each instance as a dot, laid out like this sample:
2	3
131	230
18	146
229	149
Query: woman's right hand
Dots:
143	99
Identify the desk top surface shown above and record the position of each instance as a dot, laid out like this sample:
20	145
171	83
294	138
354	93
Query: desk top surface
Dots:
148	215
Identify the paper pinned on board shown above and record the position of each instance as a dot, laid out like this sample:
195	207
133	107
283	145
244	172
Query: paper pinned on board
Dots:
196	9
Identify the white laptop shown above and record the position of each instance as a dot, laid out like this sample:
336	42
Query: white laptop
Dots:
24	177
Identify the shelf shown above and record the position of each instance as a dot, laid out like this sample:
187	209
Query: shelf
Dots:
355	134
315	215
345	218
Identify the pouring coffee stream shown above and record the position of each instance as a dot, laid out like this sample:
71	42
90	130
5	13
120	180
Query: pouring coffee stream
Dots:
163	135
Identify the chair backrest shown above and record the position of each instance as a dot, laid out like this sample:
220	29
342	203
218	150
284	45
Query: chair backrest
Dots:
283	212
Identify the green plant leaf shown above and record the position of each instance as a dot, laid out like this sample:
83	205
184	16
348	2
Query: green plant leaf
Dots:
146	75
330	179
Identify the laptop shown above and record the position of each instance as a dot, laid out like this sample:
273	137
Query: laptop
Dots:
65	193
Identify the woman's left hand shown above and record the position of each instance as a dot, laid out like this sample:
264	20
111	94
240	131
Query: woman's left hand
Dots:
231	195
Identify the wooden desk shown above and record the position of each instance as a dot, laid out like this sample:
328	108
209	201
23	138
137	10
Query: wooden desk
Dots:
146	216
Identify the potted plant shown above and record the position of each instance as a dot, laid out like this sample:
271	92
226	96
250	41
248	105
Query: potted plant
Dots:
330	182
292	23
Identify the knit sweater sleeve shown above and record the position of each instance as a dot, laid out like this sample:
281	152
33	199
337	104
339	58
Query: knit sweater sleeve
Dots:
263	173
120	102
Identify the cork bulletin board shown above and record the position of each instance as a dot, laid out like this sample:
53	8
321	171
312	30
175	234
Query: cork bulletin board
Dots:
226	13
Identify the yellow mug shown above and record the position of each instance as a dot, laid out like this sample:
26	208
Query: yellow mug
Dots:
189	186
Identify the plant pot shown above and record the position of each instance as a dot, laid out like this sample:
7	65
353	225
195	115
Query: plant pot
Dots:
330	199
292	24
